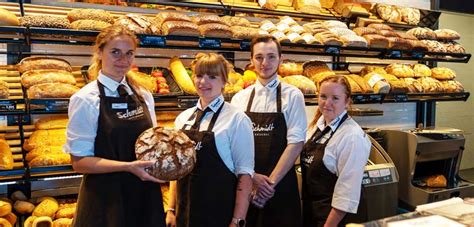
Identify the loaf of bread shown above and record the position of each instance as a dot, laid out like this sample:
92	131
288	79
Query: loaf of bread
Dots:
163	17
285	28
353	41
389	13
268	26
280	36
355	88
418	45
370	68
93	25
90	14
410	15
23	207
436	181
378	83
173	152
341	31
289	68
452	86
6	157
34	63
387	33
453	47
317	71
51	90
53	137
240	32
45	21
144	80
11	217
365	87
315	27
328	38
303	83
447	34
434	46
378	26
66	212
309	39
5	223
180	28
215	30
307	6
51	122
295	38
236	21
7	18
376	41
431	85
298	29
334	24
443	73
414	86
50	160
62	222
398	43
41	76
400	70
43	150
364	31
138	24
207	19
421	70
422	33
4	90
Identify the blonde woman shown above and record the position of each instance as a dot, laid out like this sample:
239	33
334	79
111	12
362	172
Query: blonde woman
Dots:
216	193
105	118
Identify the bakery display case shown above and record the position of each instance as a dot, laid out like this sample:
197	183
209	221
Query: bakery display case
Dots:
302	35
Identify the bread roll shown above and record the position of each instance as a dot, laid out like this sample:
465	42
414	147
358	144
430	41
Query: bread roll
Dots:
42	222
207	19
389	13
44	21
163	17
431	85
400	70
47	207
29	221
6	157
4	90
447	34
173	152
421	70
436	181
180	28
295	38
215	30
422	33
443	73
7	18
289	68
5	223
54	137
452	86
52	90
285	28
35	63
138	24
376	41
92	25
280	36
5	208
410	15
11	217
62	222
378	26
414	86
377	82
90	14
66	212
41	76
23	207
18	195
303	83
268	26
43	150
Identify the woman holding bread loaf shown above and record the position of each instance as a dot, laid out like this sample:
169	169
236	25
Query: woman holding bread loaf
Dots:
105	118
216	192
279	128
333	158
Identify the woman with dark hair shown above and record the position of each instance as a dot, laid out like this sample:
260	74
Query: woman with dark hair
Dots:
333	158
216	193
105	118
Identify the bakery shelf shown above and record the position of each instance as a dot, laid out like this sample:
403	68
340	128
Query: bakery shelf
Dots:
62	170
12	34
52	105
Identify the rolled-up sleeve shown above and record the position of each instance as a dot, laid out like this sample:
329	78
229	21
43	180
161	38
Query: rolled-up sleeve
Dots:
82	127
242	145
296	120
351	161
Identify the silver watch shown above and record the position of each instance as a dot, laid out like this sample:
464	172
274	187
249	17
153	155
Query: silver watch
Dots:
238	222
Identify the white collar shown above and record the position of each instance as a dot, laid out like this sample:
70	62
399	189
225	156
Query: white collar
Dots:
109	83
334	123
214	105
272	85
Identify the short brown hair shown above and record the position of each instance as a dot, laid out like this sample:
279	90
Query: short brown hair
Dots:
211	64
265	39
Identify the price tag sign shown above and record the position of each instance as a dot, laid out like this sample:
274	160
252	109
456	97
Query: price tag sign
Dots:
332	50
245	45
375	98
57	105
359	98
7	106
153	41
395	54
417	54
209	43
400	98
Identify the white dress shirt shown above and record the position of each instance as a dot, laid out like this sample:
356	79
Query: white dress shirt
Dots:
232	131
83	114
292	106
346	155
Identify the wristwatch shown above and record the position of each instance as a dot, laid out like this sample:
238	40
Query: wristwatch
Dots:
238	222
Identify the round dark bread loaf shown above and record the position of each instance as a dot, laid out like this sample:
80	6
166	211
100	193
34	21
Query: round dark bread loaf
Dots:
171	149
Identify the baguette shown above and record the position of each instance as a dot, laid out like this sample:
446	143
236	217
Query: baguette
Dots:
90	14
181	76
7	18
41	76
33	63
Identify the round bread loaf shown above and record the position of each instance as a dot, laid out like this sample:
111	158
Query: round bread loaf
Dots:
173	152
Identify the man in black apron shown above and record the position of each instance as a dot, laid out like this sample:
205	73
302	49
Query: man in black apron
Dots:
120	198
278	200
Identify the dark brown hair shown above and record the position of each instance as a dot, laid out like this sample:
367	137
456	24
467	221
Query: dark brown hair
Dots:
265	39
337	79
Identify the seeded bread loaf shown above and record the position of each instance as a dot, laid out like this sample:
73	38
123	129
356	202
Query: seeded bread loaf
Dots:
90	14
33	63
45	21
180	28
51	90
41	76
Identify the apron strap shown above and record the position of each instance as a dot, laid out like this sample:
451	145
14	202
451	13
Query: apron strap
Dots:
318	134
101	89
252	95
214	118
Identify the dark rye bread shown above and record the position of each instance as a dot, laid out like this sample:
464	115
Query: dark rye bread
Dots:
173	152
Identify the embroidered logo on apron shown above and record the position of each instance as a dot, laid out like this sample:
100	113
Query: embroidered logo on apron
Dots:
262	130
131	115
198	146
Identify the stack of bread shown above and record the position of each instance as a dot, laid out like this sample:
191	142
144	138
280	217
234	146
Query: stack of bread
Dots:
286	30
139	24
383	36
376	78
46	211
396	14
447	38
292	73
211	25
441	40
44	146
90	19
317	71
241	28
446	76
46	77
175	23
358	84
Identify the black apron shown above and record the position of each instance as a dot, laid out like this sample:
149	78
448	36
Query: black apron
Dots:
119	199
318	181
206	197
269	130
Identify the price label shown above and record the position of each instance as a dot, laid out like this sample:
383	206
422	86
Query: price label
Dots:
56	105
416	54
209	43
375	98
359	98
395	54
153	41
7	106
400	98
332	50
245	45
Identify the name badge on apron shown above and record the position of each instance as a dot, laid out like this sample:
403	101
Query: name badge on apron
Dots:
116	106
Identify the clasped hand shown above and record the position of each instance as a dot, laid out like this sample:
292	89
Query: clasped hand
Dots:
263	190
